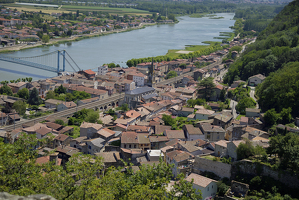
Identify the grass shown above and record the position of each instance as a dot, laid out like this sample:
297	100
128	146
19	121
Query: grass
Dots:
239	117
209	157
173	52
198	15
76	131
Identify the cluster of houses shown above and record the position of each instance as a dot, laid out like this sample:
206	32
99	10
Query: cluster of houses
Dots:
9	31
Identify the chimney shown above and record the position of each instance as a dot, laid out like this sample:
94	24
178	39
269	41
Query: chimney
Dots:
54	157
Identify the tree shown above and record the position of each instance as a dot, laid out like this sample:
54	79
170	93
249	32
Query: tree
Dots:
245	149
271	117
168	120
171	74
59	121
5	89
20	107
23	93
222	95
60	90
244	103
33	99
123	107
285	115
205	87
45	39
92	117
50	95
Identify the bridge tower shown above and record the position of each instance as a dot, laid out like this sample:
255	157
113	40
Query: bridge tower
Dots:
62	53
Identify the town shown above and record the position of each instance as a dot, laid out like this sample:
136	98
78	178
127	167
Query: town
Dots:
178	111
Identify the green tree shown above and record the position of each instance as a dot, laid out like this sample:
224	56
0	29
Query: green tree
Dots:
20	107
92	117
171	74
60	90
50	95
23	93
45	39
285	115
33	99
168	120
5	89
59	121
245	149
222	95
205	87
244	103
123	107
271	117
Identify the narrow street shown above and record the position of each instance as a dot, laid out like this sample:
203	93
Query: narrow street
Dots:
233	106
252	92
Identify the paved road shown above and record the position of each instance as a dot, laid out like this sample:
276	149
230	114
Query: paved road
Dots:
233	106
252	92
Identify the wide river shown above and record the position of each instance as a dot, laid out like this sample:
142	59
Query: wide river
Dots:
118	48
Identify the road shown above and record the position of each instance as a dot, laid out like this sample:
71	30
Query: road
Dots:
233	106
68	112
251	94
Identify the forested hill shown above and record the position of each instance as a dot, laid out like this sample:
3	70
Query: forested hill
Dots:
288	18
275	50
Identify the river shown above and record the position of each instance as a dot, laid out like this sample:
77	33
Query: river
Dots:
118	48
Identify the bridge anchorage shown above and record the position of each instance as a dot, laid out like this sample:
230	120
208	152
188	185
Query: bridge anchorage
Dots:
49	62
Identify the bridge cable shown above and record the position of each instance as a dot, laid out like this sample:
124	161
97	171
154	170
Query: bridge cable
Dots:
73	60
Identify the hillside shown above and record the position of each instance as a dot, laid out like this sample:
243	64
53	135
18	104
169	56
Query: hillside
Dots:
275	47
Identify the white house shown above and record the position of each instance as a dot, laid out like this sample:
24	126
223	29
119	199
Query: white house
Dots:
203	114
207	186
138	78
102	70
256	79
193	133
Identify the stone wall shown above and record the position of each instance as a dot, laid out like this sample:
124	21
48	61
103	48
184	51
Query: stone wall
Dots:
220	169
6	196
256	169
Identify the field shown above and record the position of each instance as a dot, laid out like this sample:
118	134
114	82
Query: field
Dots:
74	8
174	52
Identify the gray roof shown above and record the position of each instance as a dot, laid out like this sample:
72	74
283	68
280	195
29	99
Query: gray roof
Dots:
141	90
99	142
149	96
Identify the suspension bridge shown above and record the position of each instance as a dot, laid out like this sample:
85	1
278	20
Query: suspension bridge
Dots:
55	61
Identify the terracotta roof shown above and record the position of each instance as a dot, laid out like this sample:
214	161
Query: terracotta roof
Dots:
158	139
138	128
175	134
192	130
222	143
34	127
129	137
106	132
65	129
43	131
199	180
53	125
70	104
172	142
205	112
89	71
61	137
91	125
132	114
46	159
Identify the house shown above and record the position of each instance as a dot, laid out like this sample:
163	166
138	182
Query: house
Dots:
158	142
89	129
66	105
256	79
203	114
192	133
93	145
50	158
154	155
42	132
106	133
76	143
232	149
138	78
133	140
180	159
89	74
102	70
185	111
223	120
110	159
134	96
15	87
207	186
221	148
61	139
175	134
190	147
252	112
212	132
52	103
86	101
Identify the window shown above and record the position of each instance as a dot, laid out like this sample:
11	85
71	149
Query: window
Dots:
89	146
130	146
208	188
135	146
125	146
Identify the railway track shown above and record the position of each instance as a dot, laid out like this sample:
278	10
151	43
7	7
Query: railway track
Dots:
68	112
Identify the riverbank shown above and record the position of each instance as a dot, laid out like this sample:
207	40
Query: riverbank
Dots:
70	39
